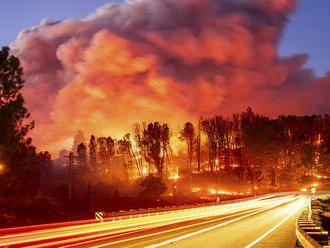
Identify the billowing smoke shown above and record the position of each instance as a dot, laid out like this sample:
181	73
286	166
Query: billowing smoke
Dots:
164	60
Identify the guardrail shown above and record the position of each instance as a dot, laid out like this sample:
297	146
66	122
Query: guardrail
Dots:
130	214
107	217
309	231
119	215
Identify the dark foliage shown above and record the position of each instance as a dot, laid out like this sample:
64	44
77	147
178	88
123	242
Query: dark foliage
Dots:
19	178
153	188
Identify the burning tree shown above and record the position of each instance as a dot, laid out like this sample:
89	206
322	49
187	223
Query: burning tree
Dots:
221	129
138	139
141	147
187	134
92	151
110	148
208	126
263	141
156	140
124	151
102	150
105	150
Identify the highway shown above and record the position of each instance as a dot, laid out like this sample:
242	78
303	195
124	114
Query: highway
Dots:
262	222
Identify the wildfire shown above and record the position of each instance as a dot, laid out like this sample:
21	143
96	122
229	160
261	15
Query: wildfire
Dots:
196	189
223	192
213	191
226	193
175	177
174	173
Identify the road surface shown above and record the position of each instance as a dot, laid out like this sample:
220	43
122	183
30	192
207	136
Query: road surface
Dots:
262	222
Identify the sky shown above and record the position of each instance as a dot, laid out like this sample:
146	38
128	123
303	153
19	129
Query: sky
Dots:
140	60
308	31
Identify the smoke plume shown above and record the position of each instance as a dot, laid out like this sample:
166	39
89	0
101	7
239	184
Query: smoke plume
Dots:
164	60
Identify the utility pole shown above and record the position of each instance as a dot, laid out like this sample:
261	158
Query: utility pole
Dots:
70	163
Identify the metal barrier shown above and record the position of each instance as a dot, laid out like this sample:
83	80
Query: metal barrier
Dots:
309	233
130	214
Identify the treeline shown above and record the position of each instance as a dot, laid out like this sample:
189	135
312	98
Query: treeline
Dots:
144	152
266	149
258	149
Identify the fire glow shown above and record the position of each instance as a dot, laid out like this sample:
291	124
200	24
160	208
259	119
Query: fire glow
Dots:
182	60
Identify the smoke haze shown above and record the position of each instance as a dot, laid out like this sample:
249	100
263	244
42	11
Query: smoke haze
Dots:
162	60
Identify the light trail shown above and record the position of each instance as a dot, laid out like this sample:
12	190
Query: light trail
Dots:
206	229
87	233
150	235
79	230
279	202
68	231
50	228
276	226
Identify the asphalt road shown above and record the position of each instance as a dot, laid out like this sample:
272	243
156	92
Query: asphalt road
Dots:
262	222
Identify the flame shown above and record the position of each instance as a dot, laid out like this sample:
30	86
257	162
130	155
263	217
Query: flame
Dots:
174	173
196	189
213	191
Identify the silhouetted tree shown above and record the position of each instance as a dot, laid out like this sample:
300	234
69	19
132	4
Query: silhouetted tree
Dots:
308	158
19	179
77	140
44	160
102	150
92	152
141	151
187	134
110	148
209	128
263	141
82	154
156	139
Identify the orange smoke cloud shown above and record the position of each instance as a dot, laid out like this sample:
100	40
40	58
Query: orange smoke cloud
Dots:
165	60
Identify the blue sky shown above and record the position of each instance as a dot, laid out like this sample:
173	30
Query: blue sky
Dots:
308	31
